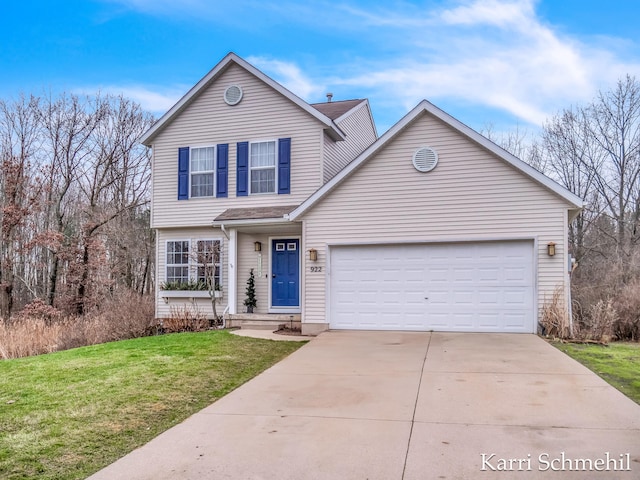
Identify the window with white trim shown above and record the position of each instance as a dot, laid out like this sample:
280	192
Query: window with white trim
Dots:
208	261
193	262
262	167
202	165
177	266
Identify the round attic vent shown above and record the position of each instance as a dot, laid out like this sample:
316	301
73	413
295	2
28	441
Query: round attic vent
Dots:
233	95
425	159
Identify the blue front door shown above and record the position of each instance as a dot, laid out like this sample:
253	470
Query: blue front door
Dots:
285	273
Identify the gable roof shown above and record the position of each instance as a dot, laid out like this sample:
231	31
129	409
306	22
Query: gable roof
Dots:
231	58
335	110
573	200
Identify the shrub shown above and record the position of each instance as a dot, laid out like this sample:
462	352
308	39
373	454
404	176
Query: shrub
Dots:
627	304
606	298
39	329
597	323
191	285
183	319
38	309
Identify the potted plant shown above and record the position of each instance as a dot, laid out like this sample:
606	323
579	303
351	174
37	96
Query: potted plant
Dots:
250	299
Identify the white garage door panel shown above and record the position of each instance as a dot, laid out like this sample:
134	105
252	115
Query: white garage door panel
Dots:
484	287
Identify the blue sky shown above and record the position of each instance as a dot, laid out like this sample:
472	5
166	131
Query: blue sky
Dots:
503	63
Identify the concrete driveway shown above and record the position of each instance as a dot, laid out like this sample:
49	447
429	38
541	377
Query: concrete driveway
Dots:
395	405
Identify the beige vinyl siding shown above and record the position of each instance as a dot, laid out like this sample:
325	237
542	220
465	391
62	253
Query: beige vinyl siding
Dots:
471	195
360	133
263	114
203	305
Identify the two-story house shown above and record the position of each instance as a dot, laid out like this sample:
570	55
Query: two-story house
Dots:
429	227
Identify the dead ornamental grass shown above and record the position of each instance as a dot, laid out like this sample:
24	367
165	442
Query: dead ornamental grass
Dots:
44	330
184	319
554	317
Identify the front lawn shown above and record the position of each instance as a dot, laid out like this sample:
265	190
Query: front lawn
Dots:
67	414
617	363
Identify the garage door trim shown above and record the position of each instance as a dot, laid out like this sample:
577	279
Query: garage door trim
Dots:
446	242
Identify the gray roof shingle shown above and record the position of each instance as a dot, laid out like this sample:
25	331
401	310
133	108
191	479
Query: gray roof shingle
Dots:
336	109
254	213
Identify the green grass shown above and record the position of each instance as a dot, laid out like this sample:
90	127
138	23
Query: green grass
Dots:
67	414
617	363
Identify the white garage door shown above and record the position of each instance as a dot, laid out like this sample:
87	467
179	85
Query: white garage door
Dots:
460	287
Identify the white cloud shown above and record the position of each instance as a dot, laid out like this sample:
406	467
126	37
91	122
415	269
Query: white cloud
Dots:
289	75
481	53
156	101
490	12
491	53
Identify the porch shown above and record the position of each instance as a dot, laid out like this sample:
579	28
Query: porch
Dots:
264	266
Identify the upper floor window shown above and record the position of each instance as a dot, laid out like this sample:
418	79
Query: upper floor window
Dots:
202	171
262	167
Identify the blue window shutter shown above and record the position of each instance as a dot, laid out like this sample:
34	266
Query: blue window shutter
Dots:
242	170
222	170
284	165
183	173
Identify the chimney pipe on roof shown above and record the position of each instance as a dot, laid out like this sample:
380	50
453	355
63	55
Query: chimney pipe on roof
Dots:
329	97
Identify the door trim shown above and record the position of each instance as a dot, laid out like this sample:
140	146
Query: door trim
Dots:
296	309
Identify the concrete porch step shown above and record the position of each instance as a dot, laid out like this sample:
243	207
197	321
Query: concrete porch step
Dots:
263	321
251	325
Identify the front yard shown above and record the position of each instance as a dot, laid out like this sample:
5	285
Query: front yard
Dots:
65	415
617	363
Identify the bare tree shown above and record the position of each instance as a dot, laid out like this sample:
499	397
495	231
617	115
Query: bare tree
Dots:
574	159
519	143
18	188
615	125
68	124
74	189
113	179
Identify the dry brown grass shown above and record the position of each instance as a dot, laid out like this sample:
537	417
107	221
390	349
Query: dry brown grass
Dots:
606	296
555	318
597	323
40	330
182	319
607	307
627	305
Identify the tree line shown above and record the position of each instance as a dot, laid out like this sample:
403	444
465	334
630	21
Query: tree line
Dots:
74	201
594	151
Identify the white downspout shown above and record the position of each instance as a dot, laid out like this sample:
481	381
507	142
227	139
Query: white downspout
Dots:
224	230
570	268
233	273
231	269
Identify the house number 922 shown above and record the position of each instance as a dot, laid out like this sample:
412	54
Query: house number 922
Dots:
316	269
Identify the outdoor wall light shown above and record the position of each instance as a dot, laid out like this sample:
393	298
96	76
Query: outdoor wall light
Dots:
257	246
313	254
551	249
